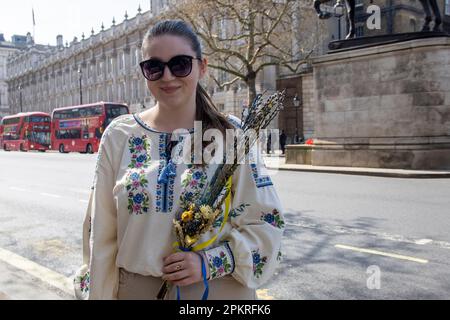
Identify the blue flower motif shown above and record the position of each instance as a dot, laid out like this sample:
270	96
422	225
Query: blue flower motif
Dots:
137	141
141	158
188	196
197	175
135	176
256	258
217	262
138	198
269	218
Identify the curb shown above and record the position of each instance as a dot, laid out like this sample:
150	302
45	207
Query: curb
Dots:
405	175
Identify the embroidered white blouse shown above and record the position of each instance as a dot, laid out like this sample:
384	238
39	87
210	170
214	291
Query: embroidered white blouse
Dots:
131	213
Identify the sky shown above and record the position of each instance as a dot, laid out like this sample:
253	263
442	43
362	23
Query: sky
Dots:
69	18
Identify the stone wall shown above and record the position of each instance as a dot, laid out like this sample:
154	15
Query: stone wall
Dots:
386	106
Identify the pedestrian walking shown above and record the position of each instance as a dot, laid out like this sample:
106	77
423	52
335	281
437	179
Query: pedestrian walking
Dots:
283	138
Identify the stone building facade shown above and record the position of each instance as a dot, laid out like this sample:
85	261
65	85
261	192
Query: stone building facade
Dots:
107	63
6	49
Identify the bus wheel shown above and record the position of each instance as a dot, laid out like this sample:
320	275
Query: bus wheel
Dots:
4	148
61	148
89	149
22	149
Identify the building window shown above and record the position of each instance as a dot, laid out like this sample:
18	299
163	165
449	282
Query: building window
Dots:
122	61
100	68
447	7
110	65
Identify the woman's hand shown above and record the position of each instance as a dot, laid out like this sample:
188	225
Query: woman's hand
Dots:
184	268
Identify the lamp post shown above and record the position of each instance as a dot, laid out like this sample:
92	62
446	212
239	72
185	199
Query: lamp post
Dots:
80	73
296	102
338	13
20	97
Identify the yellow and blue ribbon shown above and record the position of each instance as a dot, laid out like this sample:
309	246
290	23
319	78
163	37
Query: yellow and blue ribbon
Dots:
206	244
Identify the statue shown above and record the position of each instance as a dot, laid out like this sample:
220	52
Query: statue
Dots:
437	15
350	5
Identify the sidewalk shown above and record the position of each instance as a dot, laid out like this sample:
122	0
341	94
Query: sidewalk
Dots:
278	162
16	284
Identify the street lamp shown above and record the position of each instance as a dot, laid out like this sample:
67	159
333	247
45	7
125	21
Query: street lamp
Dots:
20	97
80	73
296	102
338	13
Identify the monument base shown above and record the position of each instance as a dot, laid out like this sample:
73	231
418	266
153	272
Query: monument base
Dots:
366	42
382	107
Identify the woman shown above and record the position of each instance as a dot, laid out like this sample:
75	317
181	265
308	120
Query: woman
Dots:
132	204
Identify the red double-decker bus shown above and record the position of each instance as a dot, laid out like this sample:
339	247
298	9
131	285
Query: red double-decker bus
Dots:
26	131
80	128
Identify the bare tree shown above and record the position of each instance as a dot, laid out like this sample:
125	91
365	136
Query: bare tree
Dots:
243	37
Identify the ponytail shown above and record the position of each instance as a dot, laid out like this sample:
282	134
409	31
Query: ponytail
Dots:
207	112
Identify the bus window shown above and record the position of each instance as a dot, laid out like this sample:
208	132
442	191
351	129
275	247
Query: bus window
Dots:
68	134
36	119
114	111
11	121
40	137
67	114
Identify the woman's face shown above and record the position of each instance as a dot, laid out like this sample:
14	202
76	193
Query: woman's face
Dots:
171	91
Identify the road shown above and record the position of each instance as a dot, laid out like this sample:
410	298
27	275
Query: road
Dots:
347	237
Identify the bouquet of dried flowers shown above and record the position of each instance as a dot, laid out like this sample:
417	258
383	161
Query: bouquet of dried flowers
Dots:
197	218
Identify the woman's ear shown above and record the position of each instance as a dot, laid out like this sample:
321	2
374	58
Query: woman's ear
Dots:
203	67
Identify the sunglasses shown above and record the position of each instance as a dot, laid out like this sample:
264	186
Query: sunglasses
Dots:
180	66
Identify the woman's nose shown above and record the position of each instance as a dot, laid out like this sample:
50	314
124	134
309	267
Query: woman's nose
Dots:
167	74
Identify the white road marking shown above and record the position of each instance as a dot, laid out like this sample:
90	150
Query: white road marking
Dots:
380	253
51	277
17	189
381	235
60	281
263	294
423	241
50	195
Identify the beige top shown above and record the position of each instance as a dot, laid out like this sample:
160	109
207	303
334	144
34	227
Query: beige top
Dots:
131	213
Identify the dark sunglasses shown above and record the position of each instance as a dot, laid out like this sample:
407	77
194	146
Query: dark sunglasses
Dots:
180	66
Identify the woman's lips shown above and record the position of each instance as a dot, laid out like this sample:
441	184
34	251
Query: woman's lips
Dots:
170	89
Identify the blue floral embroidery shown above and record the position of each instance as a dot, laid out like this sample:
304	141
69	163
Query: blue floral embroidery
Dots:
193	182
136	181
234	213
139	150
273	218
220	261
258	263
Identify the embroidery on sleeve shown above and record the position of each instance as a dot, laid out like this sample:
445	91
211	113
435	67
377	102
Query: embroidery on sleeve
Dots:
260	180
234	213
220	261
273	218
258	263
